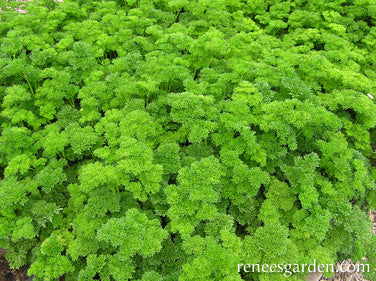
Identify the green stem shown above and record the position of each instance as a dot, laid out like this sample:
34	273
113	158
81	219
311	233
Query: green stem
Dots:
177	16
71	102
299	133
31	88
92	155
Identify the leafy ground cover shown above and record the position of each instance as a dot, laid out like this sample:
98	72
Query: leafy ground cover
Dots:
172	140
8	274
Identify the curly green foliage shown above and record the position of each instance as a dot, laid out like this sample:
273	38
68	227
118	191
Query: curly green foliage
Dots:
172	140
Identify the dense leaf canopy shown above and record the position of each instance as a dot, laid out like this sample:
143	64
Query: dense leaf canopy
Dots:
162	140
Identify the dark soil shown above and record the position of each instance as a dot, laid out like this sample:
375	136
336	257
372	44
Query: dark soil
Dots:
7	274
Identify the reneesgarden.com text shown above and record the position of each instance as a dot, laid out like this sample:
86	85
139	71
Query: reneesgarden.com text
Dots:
289	269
